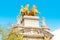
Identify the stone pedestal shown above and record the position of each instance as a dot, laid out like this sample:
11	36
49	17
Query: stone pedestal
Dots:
30	21
30	29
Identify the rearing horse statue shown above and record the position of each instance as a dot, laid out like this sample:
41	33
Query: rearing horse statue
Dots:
24	11
34	11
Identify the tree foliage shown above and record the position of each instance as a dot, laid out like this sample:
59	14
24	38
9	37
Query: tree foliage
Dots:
11	35
3	34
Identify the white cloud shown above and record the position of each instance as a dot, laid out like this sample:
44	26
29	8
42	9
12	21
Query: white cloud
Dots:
56	34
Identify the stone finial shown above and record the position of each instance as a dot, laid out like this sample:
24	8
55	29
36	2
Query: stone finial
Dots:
43	22
44	25
19	19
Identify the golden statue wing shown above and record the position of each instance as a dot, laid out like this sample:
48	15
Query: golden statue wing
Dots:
21	10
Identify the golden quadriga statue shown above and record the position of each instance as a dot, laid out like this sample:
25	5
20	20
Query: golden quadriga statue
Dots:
24	11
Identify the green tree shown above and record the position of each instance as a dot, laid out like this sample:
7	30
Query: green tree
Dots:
11	35
14	36
3	34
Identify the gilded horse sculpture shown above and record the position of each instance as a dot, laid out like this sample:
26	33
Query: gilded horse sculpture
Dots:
24	11
34	11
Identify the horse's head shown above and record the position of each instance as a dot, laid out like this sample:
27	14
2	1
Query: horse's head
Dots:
26	7
34	9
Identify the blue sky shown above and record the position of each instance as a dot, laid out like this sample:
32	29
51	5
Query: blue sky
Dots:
50	9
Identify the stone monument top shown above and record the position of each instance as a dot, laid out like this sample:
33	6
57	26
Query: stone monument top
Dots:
28	18
28	25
